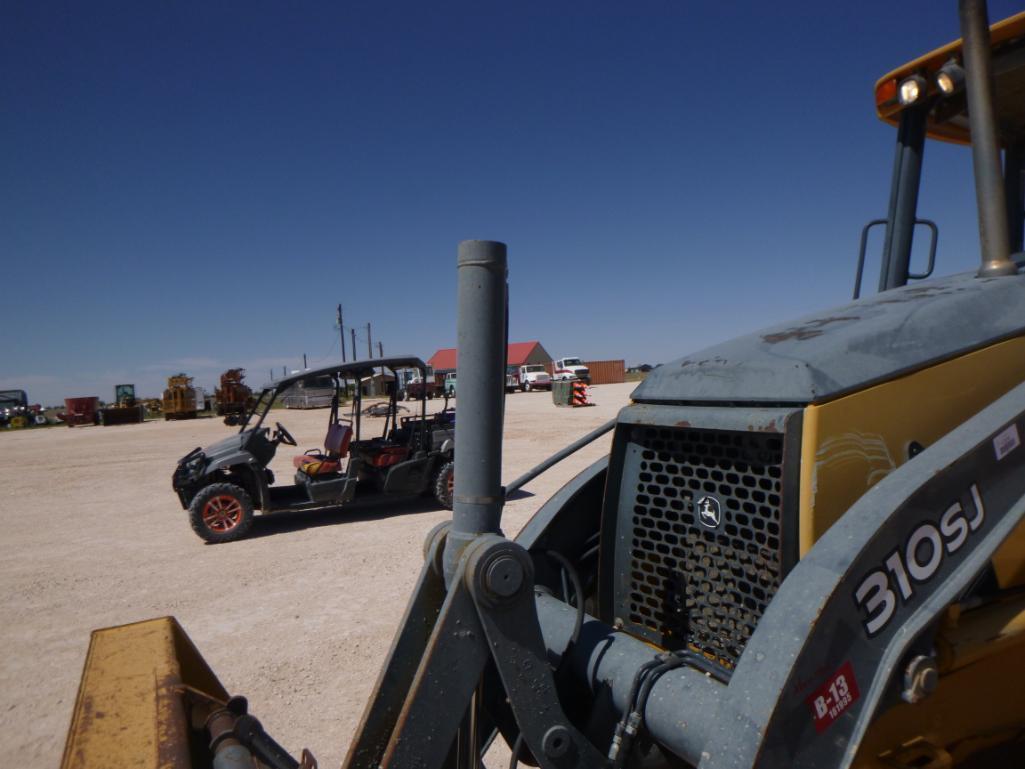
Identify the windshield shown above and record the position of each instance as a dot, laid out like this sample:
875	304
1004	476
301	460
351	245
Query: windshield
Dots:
533	369
260	409
571	362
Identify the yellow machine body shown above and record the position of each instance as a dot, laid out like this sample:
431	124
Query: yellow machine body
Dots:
849	445
133	704
179	400
853	442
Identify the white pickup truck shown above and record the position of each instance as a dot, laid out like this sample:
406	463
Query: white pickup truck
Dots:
570	368
533	376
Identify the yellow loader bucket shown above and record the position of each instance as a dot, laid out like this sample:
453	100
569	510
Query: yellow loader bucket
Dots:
134	701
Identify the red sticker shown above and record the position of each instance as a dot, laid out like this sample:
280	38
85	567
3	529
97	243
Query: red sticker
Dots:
835	696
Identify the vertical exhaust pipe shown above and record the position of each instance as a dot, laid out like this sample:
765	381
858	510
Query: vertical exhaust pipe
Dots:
480	337
989	189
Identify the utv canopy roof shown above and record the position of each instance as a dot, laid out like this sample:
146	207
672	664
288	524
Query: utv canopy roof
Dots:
354	370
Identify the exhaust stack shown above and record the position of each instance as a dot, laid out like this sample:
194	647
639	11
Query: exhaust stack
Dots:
480	336
989	189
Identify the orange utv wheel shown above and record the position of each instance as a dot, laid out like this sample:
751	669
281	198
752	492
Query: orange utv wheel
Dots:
221	512
444	484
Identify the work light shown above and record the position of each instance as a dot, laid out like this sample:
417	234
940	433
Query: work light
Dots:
911	90
950	78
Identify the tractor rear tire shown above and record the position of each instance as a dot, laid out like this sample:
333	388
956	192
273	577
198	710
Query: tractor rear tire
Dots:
444	484
221	512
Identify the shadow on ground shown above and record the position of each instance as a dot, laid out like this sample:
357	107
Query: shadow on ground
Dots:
360	510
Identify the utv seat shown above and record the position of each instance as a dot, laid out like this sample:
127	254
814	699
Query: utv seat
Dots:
336	446
386	456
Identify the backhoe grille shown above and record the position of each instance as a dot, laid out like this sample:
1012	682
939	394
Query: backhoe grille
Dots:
691	586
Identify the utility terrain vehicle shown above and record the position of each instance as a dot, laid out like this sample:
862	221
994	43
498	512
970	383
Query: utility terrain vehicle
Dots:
224	484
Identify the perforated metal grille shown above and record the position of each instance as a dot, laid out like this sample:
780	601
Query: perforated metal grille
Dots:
690	585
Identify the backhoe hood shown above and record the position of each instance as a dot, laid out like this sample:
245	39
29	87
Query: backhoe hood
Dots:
830	353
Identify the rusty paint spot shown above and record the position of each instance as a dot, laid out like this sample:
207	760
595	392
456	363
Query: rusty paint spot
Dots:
798	334
808	330
683	423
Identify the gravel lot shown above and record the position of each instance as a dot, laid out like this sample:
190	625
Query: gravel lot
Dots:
297	617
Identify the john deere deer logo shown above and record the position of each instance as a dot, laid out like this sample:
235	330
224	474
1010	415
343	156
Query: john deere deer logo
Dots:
709	511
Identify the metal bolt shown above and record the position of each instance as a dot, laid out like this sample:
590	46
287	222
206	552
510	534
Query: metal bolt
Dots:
505	576
920	679
556	742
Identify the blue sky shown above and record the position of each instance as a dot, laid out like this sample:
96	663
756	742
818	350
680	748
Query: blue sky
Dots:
195	186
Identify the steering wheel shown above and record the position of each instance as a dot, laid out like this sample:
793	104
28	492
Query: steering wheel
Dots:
282	435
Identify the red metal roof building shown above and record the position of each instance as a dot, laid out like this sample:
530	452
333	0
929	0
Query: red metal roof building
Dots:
519	353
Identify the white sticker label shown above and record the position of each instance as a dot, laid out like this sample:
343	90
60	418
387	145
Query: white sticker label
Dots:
1006	442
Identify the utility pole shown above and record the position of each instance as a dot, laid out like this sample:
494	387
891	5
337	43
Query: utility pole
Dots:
304	362
380	350
370	344
284	371
353	331
272	375
341	332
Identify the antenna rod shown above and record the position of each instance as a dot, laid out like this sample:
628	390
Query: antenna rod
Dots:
989	188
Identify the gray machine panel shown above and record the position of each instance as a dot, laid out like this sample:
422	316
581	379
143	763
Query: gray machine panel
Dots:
846	348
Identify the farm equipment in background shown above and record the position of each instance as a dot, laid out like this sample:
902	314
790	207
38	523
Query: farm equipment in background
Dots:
234	399
805	549
179	398
15	411
126	409
81	411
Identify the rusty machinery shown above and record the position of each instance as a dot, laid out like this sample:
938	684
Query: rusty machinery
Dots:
179	400
234	399
805	548
81	411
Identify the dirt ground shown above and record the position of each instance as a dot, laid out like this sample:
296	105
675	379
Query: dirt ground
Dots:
298	617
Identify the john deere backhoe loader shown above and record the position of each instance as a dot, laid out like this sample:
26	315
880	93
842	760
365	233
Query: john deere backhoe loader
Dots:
804	549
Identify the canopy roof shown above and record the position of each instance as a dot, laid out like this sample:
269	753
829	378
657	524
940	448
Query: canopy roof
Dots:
354	370
948	119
